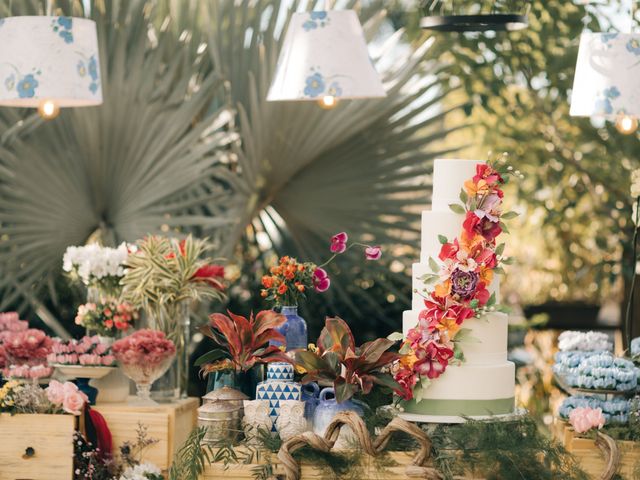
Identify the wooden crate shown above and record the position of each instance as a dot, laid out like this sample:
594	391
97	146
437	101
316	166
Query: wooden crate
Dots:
170	424
371	470
49	436
589	456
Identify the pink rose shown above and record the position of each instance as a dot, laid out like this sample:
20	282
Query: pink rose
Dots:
55	392
74	402
583	419
373	253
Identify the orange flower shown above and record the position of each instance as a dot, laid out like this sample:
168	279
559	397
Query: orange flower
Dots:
443	289
301	268
474	189
263	293
449	326
267	281
284	260
282	289
276	270
300	287
408	360
486	275
290	272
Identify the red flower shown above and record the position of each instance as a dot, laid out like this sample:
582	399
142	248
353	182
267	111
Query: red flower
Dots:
482	294
433	360
339	242
449	250
211	274
439	308
487	257
485	227
180	247
321	280
407	380
487	173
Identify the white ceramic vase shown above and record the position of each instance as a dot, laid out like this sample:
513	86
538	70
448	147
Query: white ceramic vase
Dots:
291	421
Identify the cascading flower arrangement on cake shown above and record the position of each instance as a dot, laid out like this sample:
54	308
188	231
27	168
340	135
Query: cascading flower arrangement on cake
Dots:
457	288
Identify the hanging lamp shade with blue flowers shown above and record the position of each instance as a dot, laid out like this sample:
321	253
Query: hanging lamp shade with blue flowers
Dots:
607	79
49	59
324	55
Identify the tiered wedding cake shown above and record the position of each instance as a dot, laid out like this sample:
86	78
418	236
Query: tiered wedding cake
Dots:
483	383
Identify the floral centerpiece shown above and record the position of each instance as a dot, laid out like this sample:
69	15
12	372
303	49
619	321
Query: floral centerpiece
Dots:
20	397
456	289
10	322
97	267
25	354
163	277
88	351
241	344
106	318
287	285
144	357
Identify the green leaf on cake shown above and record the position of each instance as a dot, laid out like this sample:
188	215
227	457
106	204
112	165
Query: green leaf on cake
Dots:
405	349
492	299
474	303
429	278
463	197
503	309
434	265
420	389
395	336
465	335
503	227
458	354
442	239
507	261
500	249
499	270
459	209
509	215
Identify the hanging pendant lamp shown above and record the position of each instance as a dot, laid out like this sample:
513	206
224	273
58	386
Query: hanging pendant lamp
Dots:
439	16
48	63
607	79
324	58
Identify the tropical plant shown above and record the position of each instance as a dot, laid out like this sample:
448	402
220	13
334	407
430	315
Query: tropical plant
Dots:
140	163
163	272
339	363
242	343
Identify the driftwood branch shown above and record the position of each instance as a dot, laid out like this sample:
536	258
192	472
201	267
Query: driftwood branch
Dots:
609	449
373	447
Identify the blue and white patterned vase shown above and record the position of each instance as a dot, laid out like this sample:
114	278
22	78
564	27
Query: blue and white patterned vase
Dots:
294	329
278	386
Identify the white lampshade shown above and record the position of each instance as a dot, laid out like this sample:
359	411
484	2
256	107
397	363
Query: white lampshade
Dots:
607	80
49	59
325	55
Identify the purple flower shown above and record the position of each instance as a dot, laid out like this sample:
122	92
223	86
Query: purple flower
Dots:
464	283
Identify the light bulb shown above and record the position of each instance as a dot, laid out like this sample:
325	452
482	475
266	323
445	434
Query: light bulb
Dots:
328	102
626	124
48	109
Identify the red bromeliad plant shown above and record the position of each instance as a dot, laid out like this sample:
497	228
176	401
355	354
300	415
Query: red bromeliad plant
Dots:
242	343
339	363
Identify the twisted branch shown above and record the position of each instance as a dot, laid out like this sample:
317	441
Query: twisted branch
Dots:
609	449
372	447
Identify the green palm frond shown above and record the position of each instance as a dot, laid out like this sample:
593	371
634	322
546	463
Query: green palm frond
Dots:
138	164
307	173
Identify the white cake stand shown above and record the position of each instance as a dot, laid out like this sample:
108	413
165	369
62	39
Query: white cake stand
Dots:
418	418
82	371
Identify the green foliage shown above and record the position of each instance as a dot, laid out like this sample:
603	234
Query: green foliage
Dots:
193	456
349	369
508	450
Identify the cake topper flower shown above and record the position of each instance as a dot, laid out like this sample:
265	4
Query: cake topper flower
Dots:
288	282
458	287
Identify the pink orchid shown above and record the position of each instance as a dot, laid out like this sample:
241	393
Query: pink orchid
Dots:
321	281
583	419
373	253
339	242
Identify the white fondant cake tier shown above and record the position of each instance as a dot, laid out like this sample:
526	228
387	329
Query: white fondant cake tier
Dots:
448	179
474	382
488	345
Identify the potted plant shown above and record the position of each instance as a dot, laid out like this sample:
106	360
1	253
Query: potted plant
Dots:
242	345
164	276
346	369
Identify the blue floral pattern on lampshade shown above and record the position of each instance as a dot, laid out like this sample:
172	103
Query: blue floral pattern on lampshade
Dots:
317	85
633	45
606	78
63	27
51	57
316	19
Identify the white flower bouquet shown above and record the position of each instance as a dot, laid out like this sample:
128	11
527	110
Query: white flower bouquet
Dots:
96	266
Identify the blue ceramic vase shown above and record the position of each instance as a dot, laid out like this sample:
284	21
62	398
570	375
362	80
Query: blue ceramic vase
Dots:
246	382
310	394
278	386
294	329
328	407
